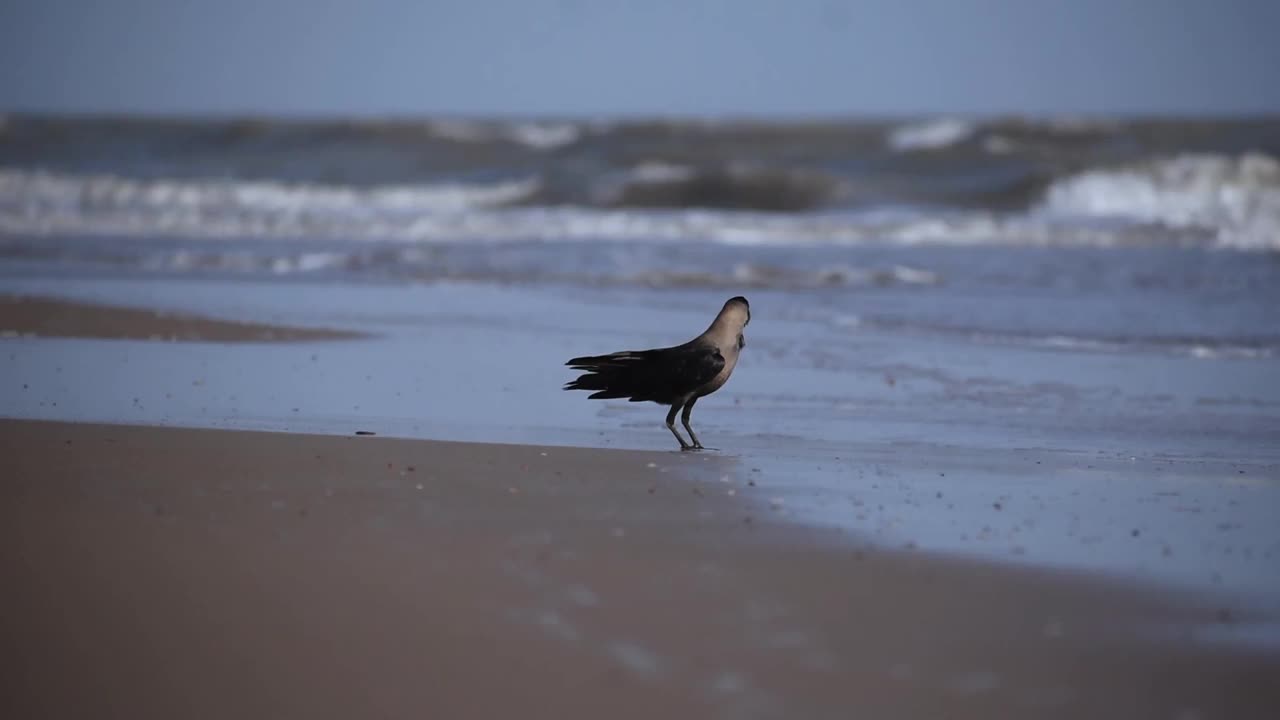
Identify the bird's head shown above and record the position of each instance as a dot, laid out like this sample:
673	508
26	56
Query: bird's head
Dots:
743	305
731	321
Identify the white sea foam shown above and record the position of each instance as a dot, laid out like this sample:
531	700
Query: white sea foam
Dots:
1241	209
765	275
536	135
612	188
38	201
658	172
930	135
544	136
1235	199
1199	351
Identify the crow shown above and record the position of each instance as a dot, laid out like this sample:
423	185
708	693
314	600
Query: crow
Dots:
675	376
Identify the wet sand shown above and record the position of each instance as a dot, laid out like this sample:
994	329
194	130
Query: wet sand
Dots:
22	315
156	572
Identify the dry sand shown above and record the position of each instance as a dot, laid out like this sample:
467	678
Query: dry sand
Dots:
161	573
52	317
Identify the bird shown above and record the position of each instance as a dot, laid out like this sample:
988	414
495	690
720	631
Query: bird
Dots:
675	376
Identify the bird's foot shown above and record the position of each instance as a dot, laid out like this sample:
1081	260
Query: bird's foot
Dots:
697	446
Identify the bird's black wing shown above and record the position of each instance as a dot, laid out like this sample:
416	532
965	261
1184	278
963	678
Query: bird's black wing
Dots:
662	376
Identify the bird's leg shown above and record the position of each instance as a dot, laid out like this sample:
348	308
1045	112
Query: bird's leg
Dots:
684	418
671	425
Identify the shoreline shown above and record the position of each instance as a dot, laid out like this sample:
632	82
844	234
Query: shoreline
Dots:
236	572
26	316
791	510
994	454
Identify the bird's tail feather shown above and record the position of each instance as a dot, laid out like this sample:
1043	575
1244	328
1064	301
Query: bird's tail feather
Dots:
617	375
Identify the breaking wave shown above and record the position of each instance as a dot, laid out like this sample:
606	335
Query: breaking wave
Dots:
1236	200
735	187
538	136
39	202
1199	348
480	264
1188	200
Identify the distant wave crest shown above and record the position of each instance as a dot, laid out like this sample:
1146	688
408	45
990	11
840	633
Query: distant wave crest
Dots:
539	136
1235	199
737	187
34	201
930	134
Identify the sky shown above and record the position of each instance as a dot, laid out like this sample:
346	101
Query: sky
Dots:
787	58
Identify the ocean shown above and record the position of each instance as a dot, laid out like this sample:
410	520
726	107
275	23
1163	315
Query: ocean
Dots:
1154	235
1104	290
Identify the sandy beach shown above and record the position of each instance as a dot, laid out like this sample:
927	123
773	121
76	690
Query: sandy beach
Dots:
165	572
259	499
